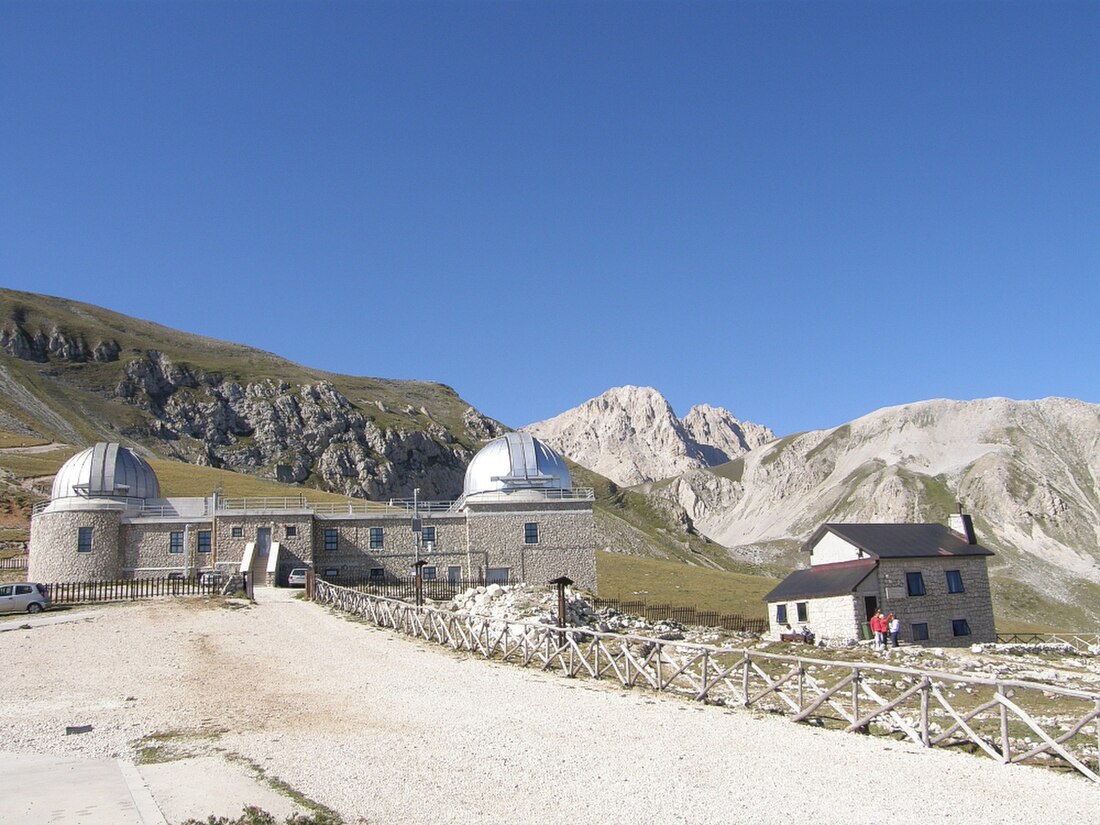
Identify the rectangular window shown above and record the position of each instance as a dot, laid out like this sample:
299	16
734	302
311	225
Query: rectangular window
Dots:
955	582
781	614
291	530
331	572
960	627
377	574
429	574
376	538
236	532
175	541
84	540
920	631
427	535
803	612
332	539
914	582
496	575
176	576
204	541
531	532
454	574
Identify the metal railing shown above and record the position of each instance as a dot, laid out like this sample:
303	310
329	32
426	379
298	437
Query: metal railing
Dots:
14	563
1010	721
132	589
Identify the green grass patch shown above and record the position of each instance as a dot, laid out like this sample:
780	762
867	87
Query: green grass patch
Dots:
36	464
681	585
731	470
10	439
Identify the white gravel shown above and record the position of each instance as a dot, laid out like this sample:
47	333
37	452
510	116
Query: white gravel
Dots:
388	730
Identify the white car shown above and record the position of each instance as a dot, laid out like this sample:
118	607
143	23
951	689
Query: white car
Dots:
297	577
22	597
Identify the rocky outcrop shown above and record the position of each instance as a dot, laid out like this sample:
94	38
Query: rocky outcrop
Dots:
297	432
56	344
631	435
1028	472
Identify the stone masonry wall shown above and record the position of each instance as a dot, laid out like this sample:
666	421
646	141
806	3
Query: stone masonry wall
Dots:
146	548
354	556
831	619
566	544
938	607
53	541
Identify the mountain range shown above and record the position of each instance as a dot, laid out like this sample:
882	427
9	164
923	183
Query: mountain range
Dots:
708	488
1027	471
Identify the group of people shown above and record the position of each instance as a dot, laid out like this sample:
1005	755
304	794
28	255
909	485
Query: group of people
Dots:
885	629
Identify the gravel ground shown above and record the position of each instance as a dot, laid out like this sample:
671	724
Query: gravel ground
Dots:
387	730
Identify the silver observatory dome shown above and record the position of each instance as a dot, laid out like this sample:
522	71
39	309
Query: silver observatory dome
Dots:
515	461
106	471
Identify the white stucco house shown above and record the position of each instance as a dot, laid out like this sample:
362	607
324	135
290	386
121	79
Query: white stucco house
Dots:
931	576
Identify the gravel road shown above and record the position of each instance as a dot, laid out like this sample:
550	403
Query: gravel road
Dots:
389	731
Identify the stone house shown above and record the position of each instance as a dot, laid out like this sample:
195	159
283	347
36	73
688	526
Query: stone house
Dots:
932	577
519	519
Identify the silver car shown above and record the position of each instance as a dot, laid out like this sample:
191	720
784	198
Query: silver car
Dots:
23	597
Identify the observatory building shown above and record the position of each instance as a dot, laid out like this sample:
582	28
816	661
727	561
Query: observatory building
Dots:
519	519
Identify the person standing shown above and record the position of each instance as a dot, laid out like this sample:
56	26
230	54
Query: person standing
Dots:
893	625
877	622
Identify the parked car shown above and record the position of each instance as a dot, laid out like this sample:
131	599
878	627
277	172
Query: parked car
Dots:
297	577
30	597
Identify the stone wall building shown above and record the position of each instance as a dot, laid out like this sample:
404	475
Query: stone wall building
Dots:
519	519
932	577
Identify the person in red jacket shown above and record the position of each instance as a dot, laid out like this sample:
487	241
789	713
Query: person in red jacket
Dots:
877	627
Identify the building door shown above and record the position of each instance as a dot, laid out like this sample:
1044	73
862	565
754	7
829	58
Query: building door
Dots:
870	607
453	575
263	541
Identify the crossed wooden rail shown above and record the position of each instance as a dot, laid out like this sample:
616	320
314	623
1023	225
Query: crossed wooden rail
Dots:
1060	728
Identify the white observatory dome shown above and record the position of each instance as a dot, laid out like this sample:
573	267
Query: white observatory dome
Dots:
106	471
515	461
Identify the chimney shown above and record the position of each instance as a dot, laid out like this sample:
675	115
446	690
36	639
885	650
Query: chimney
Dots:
962	524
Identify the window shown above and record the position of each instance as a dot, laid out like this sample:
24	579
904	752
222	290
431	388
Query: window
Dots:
454	574
428	574
236	532
5	590
332	538
176	576
23	589
175	541
427	535
920	631
496	575
914	582
331	572
204	541
781	614
376	538
291	530
531	532
803	612
84	540
377	574
960	627
955	582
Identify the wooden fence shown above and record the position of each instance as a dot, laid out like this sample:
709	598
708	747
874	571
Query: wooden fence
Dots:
1010	721
684	615
129	589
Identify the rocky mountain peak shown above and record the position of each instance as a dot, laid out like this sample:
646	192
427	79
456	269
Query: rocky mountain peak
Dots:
632	435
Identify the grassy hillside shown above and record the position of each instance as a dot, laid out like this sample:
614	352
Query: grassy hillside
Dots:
659	581
77	392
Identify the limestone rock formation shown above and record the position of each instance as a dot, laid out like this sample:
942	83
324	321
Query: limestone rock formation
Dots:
1027	471
631	435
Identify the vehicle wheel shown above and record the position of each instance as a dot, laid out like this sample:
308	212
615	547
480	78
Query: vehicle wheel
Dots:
34	607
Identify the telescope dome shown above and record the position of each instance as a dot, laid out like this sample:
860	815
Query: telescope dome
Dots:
106	471
515	461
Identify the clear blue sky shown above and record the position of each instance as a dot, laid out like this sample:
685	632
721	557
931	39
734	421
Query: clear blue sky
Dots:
798	211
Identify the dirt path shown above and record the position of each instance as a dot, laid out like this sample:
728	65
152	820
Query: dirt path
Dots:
394	731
